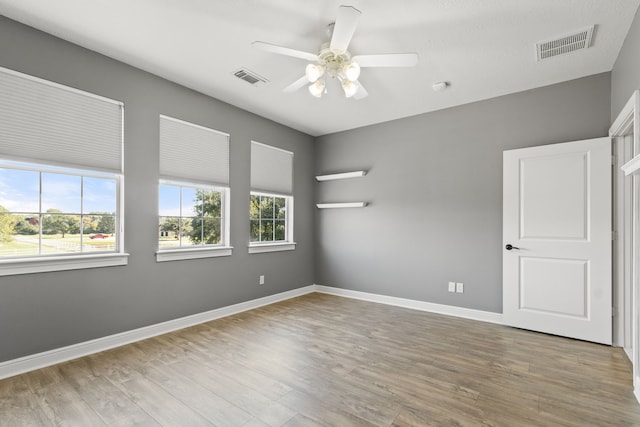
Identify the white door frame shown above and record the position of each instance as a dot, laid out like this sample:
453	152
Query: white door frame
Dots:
626	133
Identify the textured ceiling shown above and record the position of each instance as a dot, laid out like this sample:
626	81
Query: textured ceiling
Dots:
483	48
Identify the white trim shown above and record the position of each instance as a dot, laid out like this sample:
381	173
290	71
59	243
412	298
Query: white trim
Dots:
343	175
47	358
41	360
43	264
449	310
163	255
628	121
341	205
259	248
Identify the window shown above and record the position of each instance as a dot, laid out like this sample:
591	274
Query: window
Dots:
271	199
190	216
60	177
268	218
193	191
45	210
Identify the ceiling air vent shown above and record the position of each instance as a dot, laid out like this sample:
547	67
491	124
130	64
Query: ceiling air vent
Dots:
563	45
249	76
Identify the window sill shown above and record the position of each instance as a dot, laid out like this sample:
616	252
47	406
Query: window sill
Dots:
45	264
259	248
192	253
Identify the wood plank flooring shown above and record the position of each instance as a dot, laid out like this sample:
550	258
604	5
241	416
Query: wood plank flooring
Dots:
321	360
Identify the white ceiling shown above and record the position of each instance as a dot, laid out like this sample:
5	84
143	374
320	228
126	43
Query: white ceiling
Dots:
483	48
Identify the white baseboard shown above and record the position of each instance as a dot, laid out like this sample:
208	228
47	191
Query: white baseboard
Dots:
47	358
40	360
627	351
636	390
467	313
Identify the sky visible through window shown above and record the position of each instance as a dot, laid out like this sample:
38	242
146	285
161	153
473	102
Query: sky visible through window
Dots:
19	192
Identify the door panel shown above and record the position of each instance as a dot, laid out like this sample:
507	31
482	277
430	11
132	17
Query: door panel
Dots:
557	217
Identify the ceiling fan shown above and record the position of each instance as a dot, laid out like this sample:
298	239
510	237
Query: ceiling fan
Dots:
335	61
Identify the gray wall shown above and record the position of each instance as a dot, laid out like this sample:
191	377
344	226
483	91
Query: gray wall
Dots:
625	76
39	312
435	192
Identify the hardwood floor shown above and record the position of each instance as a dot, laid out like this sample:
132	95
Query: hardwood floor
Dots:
321	360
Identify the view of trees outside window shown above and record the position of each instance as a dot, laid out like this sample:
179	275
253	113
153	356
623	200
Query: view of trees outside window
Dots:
268	215
44	212
189	216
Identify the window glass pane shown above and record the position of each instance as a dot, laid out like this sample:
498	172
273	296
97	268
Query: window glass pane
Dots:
104	239
266	231
61	234
27	225
98	195
280	208
191	203
266	207
169	200
168	232
254	234
191	231
254	207
99	224
280	231
61	193
13	244
212	203
211	231
20	190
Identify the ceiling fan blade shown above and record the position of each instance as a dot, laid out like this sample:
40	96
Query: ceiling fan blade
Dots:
361	93
268	47
387	60
343	29
302	81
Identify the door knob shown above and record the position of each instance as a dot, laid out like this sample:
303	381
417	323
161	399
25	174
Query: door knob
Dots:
510	246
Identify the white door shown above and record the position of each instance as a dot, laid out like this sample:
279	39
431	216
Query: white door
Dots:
557	239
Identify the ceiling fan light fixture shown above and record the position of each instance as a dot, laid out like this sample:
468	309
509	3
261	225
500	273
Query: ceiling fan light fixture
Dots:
317	88
313	72
350	88
352	71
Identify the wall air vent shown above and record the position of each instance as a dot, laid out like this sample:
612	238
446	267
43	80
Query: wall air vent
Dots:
562	45
249	76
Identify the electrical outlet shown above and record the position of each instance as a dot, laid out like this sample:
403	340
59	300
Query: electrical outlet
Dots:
452	286
459	287
261	280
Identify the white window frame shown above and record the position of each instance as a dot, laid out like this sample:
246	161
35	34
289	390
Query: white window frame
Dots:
74	261
197	181
207	250
263	184
46	263
276	246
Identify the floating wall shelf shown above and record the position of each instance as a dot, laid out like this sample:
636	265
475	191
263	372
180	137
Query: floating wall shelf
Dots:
344	175
341	205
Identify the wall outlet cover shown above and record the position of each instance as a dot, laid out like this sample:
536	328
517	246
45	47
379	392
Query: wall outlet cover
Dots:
459	287
452	286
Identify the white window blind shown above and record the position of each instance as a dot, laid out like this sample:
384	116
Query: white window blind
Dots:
41	121
271	169
193	153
